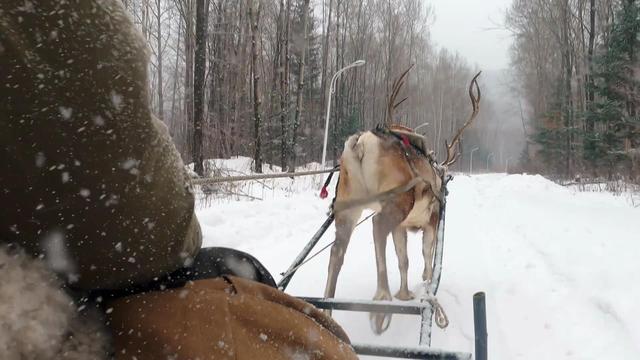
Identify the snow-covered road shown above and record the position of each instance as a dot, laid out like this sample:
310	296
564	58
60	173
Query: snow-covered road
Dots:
559	267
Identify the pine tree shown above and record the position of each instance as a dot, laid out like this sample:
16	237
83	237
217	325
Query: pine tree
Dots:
551	135
615	111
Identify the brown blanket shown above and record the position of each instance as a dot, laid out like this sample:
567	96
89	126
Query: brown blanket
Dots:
224	318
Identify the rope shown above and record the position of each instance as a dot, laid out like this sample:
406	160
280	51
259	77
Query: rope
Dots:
223	179
348	204
440	316
325	247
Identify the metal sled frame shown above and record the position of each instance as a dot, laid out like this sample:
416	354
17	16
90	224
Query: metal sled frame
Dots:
422	308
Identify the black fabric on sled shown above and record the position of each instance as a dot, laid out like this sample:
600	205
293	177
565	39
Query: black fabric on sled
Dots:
209	263
218	261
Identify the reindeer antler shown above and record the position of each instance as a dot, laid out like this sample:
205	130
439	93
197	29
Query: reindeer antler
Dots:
452	156
395	89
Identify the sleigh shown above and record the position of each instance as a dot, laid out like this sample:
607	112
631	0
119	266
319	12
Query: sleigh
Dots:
427	307
412	152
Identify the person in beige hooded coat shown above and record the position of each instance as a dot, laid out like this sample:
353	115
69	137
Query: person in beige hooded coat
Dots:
89	179
93	189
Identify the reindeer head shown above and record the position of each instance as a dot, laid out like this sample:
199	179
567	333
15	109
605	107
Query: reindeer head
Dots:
453	148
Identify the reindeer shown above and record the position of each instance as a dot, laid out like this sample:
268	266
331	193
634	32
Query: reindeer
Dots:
390	171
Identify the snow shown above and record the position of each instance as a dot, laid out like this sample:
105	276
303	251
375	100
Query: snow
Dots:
65	112
558	266
40	159
57	256
116	100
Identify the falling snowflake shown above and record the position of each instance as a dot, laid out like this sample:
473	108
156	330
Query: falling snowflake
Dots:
116	100
56	253
65	112
40	159
98	120
128	164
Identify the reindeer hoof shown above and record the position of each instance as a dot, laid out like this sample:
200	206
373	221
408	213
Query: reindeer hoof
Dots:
405	295
379	322
427	277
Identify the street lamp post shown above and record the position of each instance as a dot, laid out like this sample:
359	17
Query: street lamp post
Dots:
489	157
471	160
326	122
506	169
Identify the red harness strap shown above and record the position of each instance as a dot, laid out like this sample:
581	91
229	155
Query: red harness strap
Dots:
405	140
323	192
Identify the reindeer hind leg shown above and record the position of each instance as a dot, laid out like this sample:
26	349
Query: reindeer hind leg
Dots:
400	242
389	218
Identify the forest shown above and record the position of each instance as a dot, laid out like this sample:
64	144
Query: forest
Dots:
576	64
253	78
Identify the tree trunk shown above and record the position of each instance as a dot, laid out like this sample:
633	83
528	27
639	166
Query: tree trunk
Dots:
284	91
590	90
198	84
254	16
300	94
325	57
336	101
275	85
174	122
213	81
188	74
159	42
567	73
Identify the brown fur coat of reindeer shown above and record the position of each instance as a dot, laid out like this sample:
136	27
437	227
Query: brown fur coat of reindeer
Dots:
384	171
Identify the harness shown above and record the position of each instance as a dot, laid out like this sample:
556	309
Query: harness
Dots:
410	151
323	192
406	146
385	131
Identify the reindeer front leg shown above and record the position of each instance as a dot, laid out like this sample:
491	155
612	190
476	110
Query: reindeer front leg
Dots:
345	223
429	245
381	229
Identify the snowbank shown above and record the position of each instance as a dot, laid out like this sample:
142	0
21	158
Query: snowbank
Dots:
558	266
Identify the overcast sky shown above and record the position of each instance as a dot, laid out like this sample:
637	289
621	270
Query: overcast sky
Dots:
473	28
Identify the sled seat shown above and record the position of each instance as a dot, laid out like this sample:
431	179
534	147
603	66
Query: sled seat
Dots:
209	263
